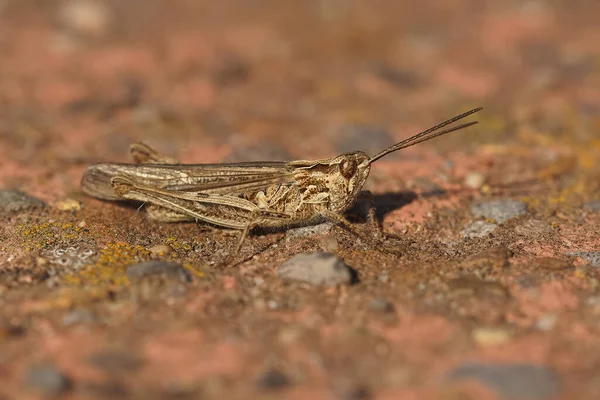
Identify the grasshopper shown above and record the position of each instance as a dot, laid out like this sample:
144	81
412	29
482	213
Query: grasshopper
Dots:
243	196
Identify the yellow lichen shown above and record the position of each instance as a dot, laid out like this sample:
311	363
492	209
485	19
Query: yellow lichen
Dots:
196	272
580	273
110	267
39	236
178	244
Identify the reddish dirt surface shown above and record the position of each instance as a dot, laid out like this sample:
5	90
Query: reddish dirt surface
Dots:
251	80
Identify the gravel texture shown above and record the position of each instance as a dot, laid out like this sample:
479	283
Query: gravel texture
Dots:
491	233
499	210
47	379
511	381
317	269
15	200
158	268
478	229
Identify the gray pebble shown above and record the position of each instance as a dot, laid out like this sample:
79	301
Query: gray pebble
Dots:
478	229
474	180
48	379
155	268
78	316
403	78
593	206
533	227
116	361
546	322
355	393
381	305
511	381
592	257
265	151
75	256
426	187
11	330
499	210
16	200
366	138
317	269
273	379
306	231
108	389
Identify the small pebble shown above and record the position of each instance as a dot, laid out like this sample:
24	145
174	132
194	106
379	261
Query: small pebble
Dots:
272	379
115	361
11	330
495	258
47	379
384	277
369	139
592	257
108	389
425	186
329	244
511	381
354	393
67	205
592	206
154	268
487	336
381	305
317	269
401	77
75	256
533	227
474	180
398	375
593	301
88	17
16	200
212	387
546	322
160	250
499	210
232	70
78	316
478	229
289	334
265	151
306	231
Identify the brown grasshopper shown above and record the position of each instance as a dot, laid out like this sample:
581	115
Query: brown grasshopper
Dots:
243	196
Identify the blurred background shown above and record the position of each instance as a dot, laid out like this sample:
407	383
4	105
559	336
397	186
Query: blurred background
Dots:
505	293
243	80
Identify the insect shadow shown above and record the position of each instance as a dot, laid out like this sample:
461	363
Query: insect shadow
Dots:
384	203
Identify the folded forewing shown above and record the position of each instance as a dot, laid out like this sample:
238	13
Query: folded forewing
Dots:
231	179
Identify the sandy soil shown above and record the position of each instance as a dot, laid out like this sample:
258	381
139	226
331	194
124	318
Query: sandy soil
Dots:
485	287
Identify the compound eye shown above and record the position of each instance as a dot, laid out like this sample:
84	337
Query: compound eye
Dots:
348	168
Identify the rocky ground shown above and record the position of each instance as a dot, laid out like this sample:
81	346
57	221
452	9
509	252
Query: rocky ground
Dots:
485	287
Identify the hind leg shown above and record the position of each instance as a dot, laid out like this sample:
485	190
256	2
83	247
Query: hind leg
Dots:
143	154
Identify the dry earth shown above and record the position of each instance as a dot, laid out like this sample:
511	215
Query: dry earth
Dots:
486	286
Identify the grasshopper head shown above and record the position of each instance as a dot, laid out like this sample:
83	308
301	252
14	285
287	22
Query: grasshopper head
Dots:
349	173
